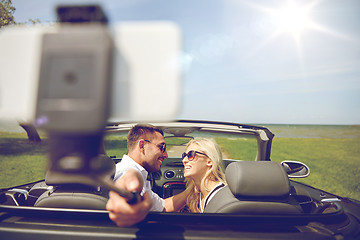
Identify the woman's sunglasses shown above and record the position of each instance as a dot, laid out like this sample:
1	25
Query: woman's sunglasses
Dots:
191	154
161	146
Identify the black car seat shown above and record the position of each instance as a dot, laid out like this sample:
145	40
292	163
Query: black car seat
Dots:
256	187
77	191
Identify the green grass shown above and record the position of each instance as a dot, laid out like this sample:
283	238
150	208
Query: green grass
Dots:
115	146
334	162
240	149
18	171
21	161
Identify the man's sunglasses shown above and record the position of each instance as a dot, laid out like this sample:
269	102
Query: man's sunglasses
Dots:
161	146
191	154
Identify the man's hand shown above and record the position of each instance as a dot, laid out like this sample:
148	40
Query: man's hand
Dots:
121	212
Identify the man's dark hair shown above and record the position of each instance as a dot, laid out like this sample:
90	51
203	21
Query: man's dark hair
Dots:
138	131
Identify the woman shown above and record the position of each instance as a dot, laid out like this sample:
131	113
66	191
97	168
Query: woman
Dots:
203	170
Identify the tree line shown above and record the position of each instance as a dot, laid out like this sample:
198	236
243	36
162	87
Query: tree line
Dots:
7	14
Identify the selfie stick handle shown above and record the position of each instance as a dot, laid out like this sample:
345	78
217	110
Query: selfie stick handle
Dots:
131	197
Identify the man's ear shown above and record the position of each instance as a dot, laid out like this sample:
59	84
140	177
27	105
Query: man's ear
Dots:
141	145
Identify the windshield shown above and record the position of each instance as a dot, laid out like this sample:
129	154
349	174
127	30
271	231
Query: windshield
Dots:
233	146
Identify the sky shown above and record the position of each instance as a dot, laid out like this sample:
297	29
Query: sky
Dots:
254	61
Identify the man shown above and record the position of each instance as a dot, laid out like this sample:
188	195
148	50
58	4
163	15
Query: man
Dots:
146	152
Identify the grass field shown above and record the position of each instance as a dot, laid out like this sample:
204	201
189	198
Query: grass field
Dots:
334	162
21	161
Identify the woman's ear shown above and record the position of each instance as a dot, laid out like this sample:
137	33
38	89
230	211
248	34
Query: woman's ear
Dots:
209	163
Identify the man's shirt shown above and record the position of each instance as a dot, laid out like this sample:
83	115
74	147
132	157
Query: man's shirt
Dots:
128	163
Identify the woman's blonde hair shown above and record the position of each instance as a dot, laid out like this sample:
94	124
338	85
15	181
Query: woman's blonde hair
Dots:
216	173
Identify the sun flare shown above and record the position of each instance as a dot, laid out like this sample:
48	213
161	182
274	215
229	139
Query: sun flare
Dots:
293	19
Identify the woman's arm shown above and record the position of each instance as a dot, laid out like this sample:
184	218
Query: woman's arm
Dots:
176	202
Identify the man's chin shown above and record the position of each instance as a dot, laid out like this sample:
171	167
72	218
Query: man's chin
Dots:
159	168
156	169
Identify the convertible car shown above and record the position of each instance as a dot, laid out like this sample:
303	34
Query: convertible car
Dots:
260	201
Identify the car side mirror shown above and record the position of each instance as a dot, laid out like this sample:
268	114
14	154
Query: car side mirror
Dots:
295	169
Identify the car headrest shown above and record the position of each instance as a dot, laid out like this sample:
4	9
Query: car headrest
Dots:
257	179
102	167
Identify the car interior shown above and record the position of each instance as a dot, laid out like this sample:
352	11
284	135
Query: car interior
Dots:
260	187
61	192
254	188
